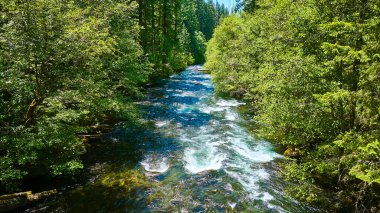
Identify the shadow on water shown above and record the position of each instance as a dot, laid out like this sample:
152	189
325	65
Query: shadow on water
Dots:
101	196
112	180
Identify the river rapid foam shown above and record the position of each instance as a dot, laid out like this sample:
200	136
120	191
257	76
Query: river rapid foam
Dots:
215	164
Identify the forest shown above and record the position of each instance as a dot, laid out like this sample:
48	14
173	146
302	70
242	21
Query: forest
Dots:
310	71
306	71
68	67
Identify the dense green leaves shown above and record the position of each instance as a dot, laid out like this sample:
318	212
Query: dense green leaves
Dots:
171	31
59	65
310	70
68	65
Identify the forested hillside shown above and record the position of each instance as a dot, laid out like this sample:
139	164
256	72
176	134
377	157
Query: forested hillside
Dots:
310	71
67	67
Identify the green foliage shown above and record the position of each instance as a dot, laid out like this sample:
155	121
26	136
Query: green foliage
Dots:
65	66
200	47
310	70
170	33
220	59
68	65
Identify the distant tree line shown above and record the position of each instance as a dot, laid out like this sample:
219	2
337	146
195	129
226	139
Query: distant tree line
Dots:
174	32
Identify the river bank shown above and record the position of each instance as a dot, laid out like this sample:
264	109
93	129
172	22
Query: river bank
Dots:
193	152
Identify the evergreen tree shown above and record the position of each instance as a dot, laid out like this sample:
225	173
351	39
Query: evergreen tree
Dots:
308	69
69	65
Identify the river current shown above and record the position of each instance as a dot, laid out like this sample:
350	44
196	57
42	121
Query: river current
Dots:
198	155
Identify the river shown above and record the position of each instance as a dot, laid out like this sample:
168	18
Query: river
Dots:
197	156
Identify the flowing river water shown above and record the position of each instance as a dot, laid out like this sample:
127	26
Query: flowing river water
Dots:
198	156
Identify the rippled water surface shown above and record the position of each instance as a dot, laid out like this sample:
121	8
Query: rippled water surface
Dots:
197	157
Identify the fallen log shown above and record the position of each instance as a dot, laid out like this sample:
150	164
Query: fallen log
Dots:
19	200
204	70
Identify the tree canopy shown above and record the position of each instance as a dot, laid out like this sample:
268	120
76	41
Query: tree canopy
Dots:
310	71
69	65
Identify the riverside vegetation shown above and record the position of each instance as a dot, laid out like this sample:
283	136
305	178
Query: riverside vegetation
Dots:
68	65
310	71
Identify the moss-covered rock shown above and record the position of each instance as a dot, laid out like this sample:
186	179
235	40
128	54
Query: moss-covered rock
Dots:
293	152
